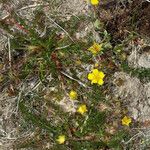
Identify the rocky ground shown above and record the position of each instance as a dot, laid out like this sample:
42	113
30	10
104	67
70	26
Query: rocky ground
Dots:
127	89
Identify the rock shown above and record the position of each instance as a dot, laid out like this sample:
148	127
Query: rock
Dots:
137	60
134	94
144	60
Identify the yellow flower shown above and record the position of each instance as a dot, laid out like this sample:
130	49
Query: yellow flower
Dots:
82	109
95	48
73	95
126	121
61	139
96	65
96	77
94	2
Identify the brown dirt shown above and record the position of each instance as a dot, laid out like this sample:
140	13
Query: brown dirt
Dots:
122	18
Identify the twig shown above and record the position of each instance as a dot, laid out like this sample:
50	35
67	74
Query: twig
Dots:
31	6
60	28
5	33
3	132
82	84
84	123
9	52
5	17
135	136
19	98
58	48
44	32
36	86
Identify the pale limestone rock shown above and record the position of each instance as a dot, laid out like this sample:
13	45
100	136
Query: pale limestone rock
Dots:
135	94
137	60
144	60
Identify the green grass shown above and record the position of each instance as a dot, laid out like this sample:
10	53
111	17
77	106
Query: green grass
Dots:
39	57
141	73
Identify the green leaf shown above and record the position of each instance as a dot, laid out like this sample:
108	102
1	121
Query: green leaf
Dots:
118	48
97	24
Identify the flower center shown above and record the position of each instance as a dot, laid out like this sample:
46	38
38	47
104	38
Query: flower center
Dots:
96	48
97	77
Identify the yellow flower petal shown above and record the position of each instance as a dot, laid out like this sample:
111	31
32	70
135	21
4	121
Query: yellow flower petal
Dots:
95	71
94	2
82	109
94	81
96	77
90	76
100	82
96	65
126	121
92	50
95	48
73	95
101	74
61	139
